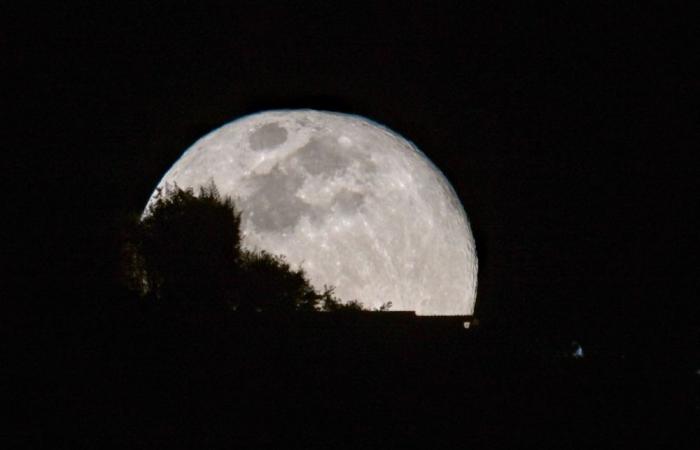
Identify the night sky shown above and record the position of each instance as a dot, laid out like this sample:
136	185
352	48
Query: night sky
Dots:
568	135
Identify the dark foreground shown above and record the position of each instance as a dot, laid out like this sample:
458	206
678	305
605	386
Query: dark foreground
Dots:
186	381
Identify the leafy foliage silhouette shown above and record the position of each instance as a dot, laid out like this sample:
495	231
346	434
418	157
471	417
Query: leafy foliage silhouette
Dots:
186	252
185	248
271	284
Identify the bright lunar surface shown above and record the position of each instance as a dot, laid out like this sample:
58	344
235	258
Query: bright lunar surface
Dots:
354	204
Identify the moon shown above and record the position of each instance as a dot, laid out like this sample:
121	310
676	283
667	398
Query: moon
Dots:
354	204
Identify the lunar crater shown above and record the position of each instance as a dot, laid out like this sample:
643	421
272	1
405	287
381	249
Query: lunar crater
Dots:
348	201
273	204
267	137
321	156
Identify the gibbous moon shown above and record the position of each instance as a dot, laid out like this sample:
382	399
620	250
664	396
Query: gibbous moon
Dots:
354	204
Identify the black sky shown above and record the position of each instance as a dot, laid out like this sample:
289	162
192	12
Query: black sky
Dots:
568	134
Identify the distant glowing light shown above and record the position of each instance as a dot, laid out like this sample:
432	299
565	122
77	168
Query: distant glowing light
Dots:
578	350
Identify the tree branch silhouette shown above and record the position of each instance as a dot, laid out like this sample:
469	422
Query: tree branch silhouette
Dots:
186	252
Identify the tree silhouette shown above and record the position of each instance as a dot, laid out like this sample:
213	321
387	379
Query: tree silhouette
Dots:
272	285
186	252
186	248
